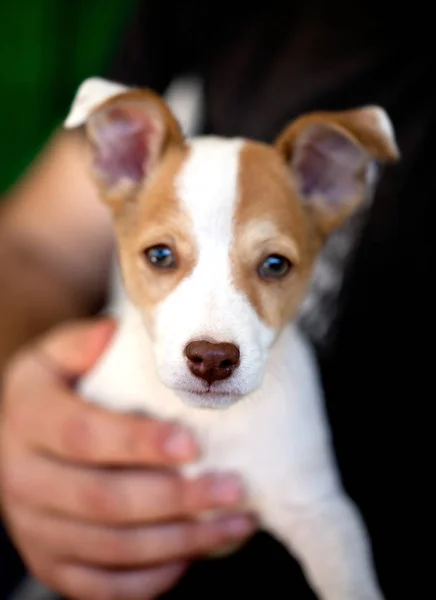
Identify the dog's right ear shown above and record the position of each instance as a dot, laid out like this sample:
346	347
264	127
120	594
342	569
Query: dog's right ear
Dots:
129	130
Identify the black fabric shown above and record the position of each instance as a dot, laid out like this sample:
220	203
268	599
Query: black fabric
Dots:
11	566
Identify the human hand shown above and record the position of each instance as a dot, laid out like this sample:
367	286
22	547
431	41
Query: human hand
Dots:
91	498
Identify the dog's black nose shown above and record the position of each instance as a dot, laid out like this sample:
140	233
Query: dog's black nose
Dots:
212	362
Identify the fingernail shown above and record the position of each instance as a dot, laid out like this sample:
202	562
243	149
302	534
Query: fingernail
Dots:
180	446
226	489
237	527
107	326
102	334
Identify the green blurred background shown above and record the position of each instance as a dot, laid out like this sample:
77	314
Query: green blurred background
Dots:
47	47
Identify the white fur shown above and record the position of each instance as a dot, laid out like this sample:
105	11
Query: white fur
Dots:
276	436
383	123
185	98
90	94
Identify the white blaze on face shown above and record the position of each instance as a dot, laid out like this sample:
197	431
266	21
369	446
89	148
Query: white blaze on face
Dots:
206	305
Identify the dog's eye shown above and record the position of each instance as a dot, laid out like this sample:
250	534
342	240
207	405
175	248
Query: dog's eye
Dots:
160	257
274	267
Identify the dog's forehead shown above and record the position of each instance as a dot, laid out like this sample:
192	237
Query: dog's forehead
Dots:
219	177
207	184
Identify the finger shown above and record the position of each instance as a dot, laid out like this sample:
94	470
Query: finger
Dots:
130	547
52	418
93	584
114	497
73	348
89	583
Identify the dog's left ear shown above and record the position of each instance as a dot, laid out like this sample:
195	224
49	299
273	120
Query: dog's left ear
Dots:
331	154
129	131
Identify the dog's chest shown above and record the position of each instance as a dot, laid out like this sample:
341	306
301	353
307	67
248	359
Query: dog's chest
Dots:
247	438
275	434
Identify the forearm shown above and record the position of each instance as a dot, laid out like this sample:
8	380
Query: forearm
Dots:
55	246
34	295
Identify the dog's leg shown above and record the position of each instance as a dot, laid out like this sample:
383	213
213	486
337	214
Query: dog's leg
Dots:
331	543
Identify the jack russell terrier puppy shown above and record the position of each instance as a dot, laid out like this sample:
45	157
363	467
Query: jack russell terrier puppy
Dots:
217	240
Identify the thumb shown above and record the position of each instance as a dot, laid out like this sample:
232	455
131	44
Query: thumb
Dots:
74	348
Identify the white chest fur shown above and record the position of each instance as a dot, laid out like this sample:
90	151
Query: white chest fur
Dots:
277	438
278	431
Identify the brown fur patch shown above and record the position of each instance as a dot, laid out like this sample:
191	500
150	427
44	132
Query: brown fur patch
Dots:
148	213
155	216
270	219
365	130
168	135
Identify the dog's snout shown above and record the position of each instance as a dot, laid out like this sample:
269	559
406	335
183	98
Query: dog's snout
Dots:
210	361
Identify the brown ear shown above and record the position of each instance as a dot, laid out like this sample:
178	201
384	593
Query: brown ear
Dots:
129	133
129	130
330	155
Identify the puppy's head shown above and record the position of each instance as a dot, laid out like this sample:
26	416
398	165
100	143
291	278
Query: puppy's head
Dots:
217	238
